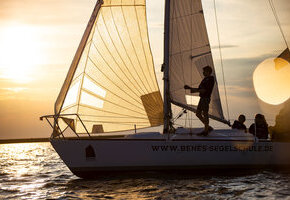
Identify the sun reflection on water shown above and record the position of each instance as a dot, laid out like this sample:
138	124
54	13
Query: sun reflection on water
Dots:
24	167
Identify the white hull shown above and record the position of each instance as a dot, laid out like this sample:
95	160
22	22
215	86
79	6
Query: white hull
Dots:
159	153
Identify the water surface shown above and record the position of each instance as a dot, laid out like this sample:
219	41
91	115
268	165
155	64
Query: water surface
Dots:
34	171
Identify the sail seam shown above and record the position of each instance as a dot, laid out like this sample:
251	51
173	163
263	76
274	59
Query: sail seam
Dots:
121	107
105	100
111	80
102	116
106	111
110	91
118	64
121	80
141	88
144	49
119	56
125	123
136	53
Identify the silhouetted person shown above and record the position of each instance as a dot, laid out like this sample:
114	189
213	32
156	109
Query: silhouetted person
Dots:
239	124
205	89
260	127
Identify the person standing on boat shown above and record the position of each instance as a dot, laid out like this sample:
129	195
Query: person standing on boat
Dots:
239	124
205	89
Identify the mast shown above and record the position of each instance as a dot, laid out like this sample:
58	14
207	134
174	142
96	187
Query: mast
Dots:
165	69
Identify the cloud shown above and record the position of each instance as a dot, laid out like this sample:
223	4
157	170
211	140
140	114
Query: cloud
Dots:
10	93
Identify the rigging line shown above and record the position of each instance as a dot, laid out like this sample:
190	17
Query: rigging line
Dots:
149	71
118	53
192	14
135	51
111	80
278	21
106	111
222	64
111	91
106	100
75	78
129	58
137	95
184	51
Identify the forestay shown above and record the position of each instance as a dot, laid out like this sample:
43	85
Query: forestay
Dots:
189	52
111	83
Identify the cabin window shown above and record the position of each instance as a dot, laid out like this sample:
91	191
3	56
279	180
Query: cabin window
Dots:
90	153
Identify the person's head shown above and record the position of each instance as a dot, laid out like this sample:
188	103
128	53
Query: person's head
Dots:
259	119
242	118
207	71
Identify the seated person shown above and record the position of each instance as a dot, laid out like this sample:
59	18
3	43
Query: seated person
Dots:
260	127
239	124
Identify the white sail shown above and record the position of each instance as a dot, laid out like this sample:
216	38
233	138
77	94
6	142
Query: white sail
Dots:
189	52
111	84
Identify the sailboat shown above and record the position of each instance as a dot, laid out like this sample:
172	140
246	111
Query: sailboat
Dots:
111	90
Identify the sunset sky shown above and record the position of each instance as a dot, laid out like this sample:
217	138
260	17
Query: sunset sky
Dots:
38	39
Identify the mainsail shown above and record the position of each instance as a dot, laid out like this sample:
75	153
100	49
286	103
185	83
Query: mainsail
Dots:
189	51
111	84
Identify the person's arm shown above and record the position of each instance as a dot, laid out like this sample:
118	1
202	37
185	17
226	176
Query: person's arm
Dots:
193	90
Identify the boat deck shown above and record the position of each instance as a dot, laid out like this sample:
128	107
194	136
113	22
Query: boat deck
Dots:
181	134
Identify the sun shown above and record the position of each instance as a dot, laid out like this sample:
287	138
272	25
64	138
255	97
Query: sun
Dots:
271	81
20	53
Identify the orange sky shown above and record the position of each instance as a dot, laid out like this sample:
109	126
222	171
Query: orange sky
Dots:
38	39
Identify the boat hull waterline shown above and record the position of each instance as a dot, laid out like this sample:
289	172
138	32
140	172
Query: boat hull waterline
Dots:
121	155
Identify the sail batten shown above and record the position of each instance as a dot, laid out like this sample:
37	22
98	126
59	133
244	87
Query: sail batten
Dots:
111	87
189	52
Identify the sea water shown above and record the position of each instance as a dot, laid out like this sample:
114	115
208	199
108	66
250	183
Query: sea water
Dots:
35	171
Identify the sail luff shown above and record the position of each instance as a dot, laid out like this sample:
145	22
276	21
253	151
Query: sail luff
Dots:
64	90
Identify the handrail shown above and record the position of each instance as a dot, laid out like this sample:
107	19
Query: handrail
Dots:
55	117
